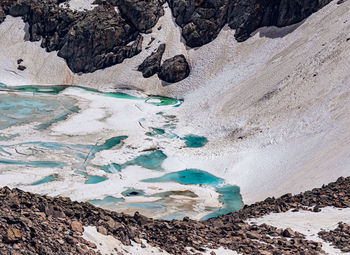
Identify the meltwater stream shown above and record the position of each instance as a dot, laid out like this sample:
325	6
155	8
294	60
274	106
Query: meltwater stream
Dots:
108	149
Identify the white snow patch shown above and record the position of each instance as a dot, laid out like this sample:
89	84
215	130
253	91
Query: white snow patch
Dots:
309	223
107	244
79	5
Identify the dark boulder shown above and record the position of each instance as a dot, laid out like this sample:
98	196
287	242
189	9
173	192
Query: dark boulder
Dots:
21	67
151	64
19	8
174	69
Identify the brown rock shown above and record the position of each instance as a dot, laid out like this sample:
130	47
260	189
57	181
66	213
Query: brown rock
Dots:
288	233
316	209
253	235
77	226
13	235
225	241
102	230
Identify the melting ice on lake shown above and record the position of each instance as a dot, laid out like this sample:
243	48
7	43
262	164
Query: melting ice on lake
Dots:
106	148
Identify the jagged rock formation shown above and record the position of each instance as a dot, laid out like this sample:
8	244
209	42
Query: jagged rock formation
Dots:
151	64
247	16
87	41
202	20
174	69
99	40
142	14
2	15
34	224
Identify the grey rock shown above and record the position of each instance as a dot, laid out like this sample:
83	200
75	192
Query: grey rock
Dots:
151	65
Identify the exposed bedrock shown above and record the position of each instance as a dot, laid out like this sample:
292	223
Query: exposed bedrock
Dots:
100	39
151	64
143	14
2	15
174	69
247	16
202	20
87	41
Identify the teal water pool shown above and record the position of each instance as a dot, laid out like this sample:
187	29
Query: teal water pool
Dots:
46	179
229	195
151	160
112	168
189	176
193	141
55	90
24	109
107	200
133	193
231	199
94	179
156	131
46	164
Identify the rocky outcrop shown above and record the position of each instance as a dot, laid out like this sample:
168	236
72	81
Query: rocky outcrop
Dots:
2	15
87	41
151	65
143	14
201	20
101	39
247	16
174	69
4	5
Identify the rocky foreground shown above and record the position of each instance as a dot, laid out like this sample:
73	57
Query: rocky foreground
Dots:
35	224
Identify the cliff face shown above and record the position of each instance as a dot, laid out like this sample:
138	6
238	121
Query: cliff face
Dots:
202	20
247	16
103	37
